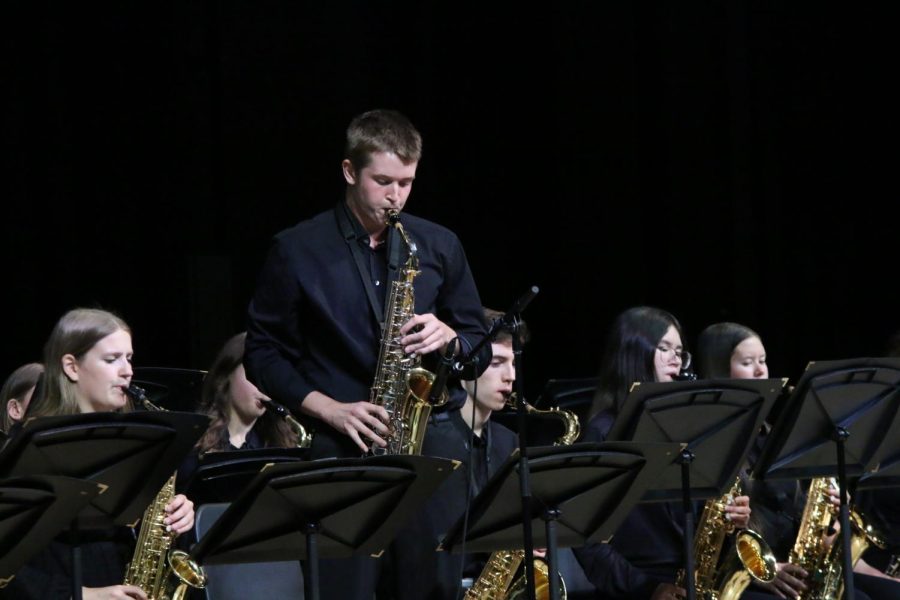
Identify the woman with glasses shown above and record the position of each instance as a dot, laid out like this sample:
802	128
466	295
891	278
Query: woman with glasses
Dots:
643	558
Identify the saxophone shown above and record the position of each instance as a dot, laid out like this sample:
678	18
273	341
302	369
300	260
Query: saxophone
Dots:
401	385
153	565
810	551
751	558
496	579
862	535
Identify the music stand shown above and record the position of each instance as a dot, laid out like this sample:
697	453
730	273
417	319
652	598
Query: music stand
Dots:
171	388
848	403
222	476
32	511
580	492
333	508
131	455
715	420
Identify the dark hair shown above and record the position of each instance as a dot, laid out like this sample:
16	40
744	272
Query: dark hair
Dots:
215	401
16	386
629	354
505	335
716	344
382	131
75	333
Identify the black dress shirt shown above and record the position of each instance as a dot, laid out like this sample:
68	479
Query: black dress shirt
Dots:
436	575
311	325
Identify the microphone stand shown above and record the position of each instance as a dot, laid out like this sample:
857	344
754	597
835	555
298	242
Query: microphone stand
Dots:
511	322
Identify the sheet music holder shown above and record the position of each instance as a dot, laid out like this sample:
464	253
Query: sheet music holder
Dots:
131	454
222	476
716	421
833	424
579	493
332	508
32	511
171	388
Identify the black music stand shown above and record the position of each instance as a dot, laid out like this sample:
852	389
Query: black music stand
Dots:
333	508
580	492
131	455
716	421
32	511
171	388
833	423
222	476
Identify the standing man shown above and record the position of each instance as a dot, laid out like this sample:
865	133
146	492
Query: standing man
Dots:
314	323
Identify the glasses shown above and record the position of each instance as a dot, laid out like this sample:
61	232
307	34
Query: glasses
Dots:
683	355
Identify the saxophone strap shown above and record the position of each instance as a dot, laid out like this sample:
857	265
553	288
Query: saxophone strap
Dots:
355	236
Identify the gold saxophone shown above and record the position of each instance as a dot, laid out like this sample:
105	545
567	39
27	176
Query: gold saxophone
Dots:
162	573
496	579
401	385
824	563
750	558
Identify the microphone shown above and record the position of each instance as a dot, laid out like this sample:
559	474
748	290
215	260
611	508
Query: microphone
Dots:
443	372
520	304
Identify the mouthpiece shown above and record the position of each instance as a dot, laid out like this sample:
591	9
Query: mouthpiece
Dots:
393	217
137	393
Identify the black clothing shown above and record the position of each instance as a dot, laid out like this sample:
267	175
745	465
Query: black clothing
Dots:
881	508
646	549
434	575
48	574
311	326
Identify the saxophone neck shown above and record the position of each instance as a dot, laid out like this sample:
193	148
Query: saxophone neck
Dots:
569	419
139	395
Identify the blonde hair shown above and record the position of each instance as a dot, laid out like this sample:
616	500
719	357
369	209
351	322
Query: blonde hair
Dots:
75	333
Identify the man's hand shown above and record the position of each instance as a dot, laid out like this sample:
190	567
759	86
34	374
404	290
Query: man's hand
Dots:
355	419
114	592
668	591
426	333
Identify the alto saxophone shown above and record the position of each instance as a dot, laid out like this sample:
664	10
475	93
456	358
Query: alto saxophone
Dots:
810	551
751	558
162	573
496	579
401	385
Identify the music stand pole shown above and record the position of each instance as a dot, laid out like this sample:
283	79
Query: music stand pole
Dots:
840	437
524	483
312	554
686	458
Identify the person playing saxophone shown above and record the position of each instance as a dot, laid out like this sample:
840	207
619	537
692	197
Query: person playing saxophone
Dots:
315	321
733	350
463	432
87	363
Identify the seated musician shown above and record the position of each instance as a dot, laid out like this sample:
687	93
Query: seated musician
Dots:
16	393
88	369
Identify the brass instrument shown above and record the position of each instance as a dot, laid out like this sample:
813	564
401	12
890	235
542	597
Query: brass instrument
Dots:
496	579
401	385
750	558
304	438
824	563
810	551
162	573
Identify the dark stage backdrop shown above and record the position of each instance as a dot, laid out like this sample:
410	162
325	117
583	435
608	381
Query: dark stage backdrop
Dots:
723	160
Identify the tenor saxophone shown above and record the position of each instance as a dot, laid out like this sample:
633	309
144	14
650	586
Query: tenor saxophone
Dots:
496	579
726	578
401	385
163	573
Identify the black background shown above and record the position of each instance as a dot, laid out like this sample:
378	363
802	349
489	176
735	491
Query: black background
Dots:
727	160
